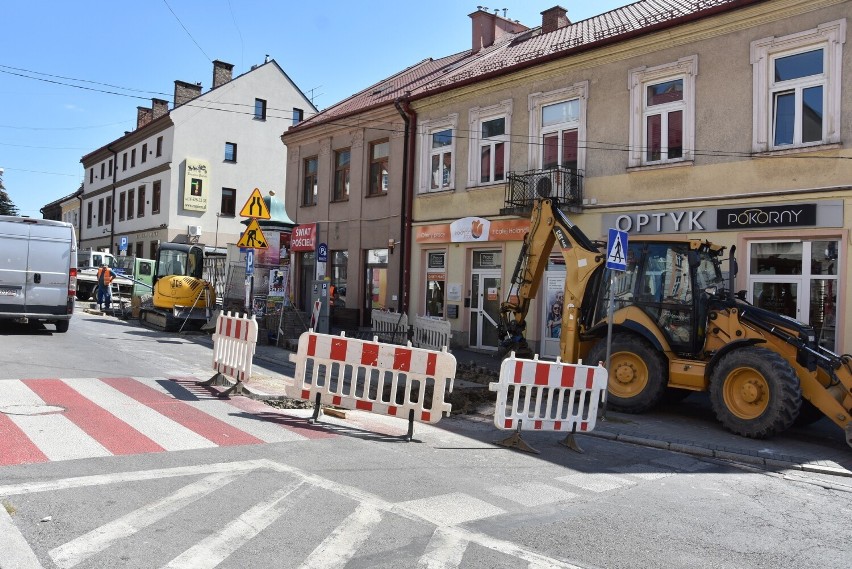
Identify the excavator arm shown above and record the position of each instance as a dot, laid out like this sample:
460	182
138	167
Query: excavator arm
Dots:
549	226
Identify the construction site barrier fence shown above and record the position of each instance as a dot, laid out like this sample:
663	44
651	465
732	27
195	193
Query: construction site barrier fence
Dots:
431	333
399	381
234	344
536	395
390	327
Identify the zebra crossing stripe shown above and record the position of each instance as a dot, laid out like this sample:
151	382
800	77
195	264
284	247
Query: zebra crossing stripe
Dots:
212	429
16	445
444	551
168	434
112	433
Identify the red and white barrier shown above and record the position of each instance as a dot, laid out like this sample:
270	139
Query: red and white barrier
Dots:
234	343
535	395
400	381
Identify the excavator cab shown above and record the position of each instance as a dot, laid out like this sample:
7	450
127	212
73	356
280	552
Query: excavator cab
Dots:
669	281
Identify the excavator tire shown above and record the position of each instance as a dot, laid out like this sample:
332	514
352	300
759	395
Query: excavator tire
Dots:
638	375
755	393
808	414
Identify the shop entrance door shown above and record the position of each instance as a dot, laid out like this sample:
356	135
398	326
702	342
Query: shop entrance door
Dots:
798	279
485	294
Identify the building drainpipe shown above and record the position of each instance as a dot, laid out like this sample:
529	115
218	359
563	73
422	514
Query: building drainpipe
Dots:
80	219
410	119
112	202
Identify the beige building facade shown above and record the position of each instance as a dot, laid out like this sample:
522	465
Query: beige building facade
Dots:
731	126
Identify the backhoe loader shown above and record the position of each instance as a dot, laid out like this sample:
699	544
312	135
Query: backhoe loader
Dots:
678	327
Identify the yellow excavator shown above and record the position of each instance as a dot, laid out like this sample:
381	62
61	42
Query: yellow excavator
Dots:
677	328
181	297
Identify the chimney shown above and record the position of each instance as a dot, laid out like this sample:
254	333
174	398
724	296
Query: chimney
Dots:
554	18
185	92
161	107
144	115
488	28
222	73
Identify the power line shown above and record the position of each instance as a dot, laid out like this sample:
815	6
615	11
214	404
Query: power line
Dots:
372	125
186	30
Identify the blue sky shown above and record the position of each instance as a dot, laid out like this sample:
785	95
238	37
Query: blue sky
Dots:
136	49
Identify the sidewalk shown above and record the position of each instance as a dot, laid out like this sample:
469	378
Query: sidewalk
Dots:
688	426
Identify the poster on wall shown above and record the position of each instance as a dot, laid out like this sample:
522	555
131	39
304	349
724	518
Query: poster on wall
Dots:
196	184
454	292
555	301
259	306
271	255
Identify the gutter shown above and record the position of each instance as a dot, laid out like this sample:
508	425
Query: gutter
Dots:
410	118
112	204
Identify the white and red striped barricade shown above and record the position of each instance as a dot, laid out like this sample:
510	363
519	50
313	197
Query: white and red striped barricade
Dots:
400	381
234	343
537	395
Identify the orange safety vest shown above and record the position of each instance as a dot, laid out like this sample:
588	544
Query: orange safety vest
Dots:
105	275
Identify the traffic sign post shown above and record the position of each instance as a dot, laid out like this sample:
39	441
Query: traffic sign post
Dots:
253	238
616	260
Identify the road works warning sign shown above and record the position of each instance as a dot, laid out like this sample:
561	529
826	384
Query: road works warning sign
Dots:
253	237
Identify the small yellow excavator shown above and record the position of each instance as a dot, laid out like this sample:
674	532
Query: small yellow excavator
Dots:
181	297
677	329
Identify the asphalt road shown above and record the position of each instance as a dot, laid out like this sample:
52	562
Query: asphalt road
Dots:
165	474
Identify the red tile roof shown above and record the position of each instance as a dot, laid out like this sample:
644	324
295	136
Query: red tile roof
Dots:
524	49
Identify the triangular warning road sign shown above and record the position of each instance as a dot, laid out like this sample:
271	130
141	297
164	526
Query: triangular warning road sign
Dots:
255	207
253	237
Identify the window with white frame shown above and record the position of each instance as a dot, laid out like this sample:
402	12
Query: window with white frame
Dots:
797	88
662	121
558	124
489	143
437	156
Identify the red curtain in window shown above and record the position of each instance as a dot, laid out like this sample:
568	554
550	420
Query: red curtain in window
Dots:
676	134
499	161
551	151
569	149
655	132
485	164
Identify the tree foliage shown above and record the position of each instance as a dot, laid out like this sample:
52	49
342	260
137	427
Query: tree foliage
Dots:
7	206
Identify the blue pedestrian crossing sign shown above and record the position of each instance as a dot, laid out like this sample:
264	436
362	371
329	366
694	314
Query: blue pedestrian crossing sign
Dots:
616	250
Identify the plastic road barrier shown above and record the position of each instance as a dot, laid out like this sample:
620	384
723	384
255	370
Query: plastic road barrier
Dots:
391	327
234	344
431	333
400	381
547	396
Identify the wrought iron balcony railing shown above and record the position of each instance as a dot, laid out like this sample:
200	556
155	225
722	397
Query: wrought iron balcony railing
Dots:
562	185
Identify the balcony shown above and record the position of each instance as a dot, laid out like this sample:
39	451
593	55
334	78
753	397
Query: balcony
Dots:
563	186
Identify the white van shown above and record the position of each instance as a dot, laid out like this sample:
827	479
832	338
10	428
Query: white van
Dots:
38	270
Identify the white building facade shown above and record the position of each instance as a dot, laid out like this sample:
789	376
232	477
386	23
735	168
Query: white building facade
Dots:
184	174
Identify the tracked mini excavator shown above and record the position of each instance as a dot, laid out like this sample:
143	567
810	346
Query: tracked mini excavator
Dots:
678	327
181	297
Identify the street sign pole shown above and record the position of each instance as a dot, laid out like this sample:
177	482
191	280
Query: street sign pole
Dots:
616	260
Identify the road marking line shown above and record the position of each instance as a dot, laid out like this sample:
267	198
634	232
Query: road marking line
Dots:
99	423
596	482
205	425
532	494
17	553
167	433
642	471
444	551
212	550
52	433
337	549
80	549
451	509
133	476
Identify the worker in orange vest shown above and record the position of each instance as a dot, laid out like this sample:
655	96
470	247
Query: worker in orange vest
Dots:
105	277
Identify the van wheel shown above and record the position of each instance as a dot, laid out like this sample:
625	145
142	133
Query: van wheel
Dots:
755	393
62	326
637	376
